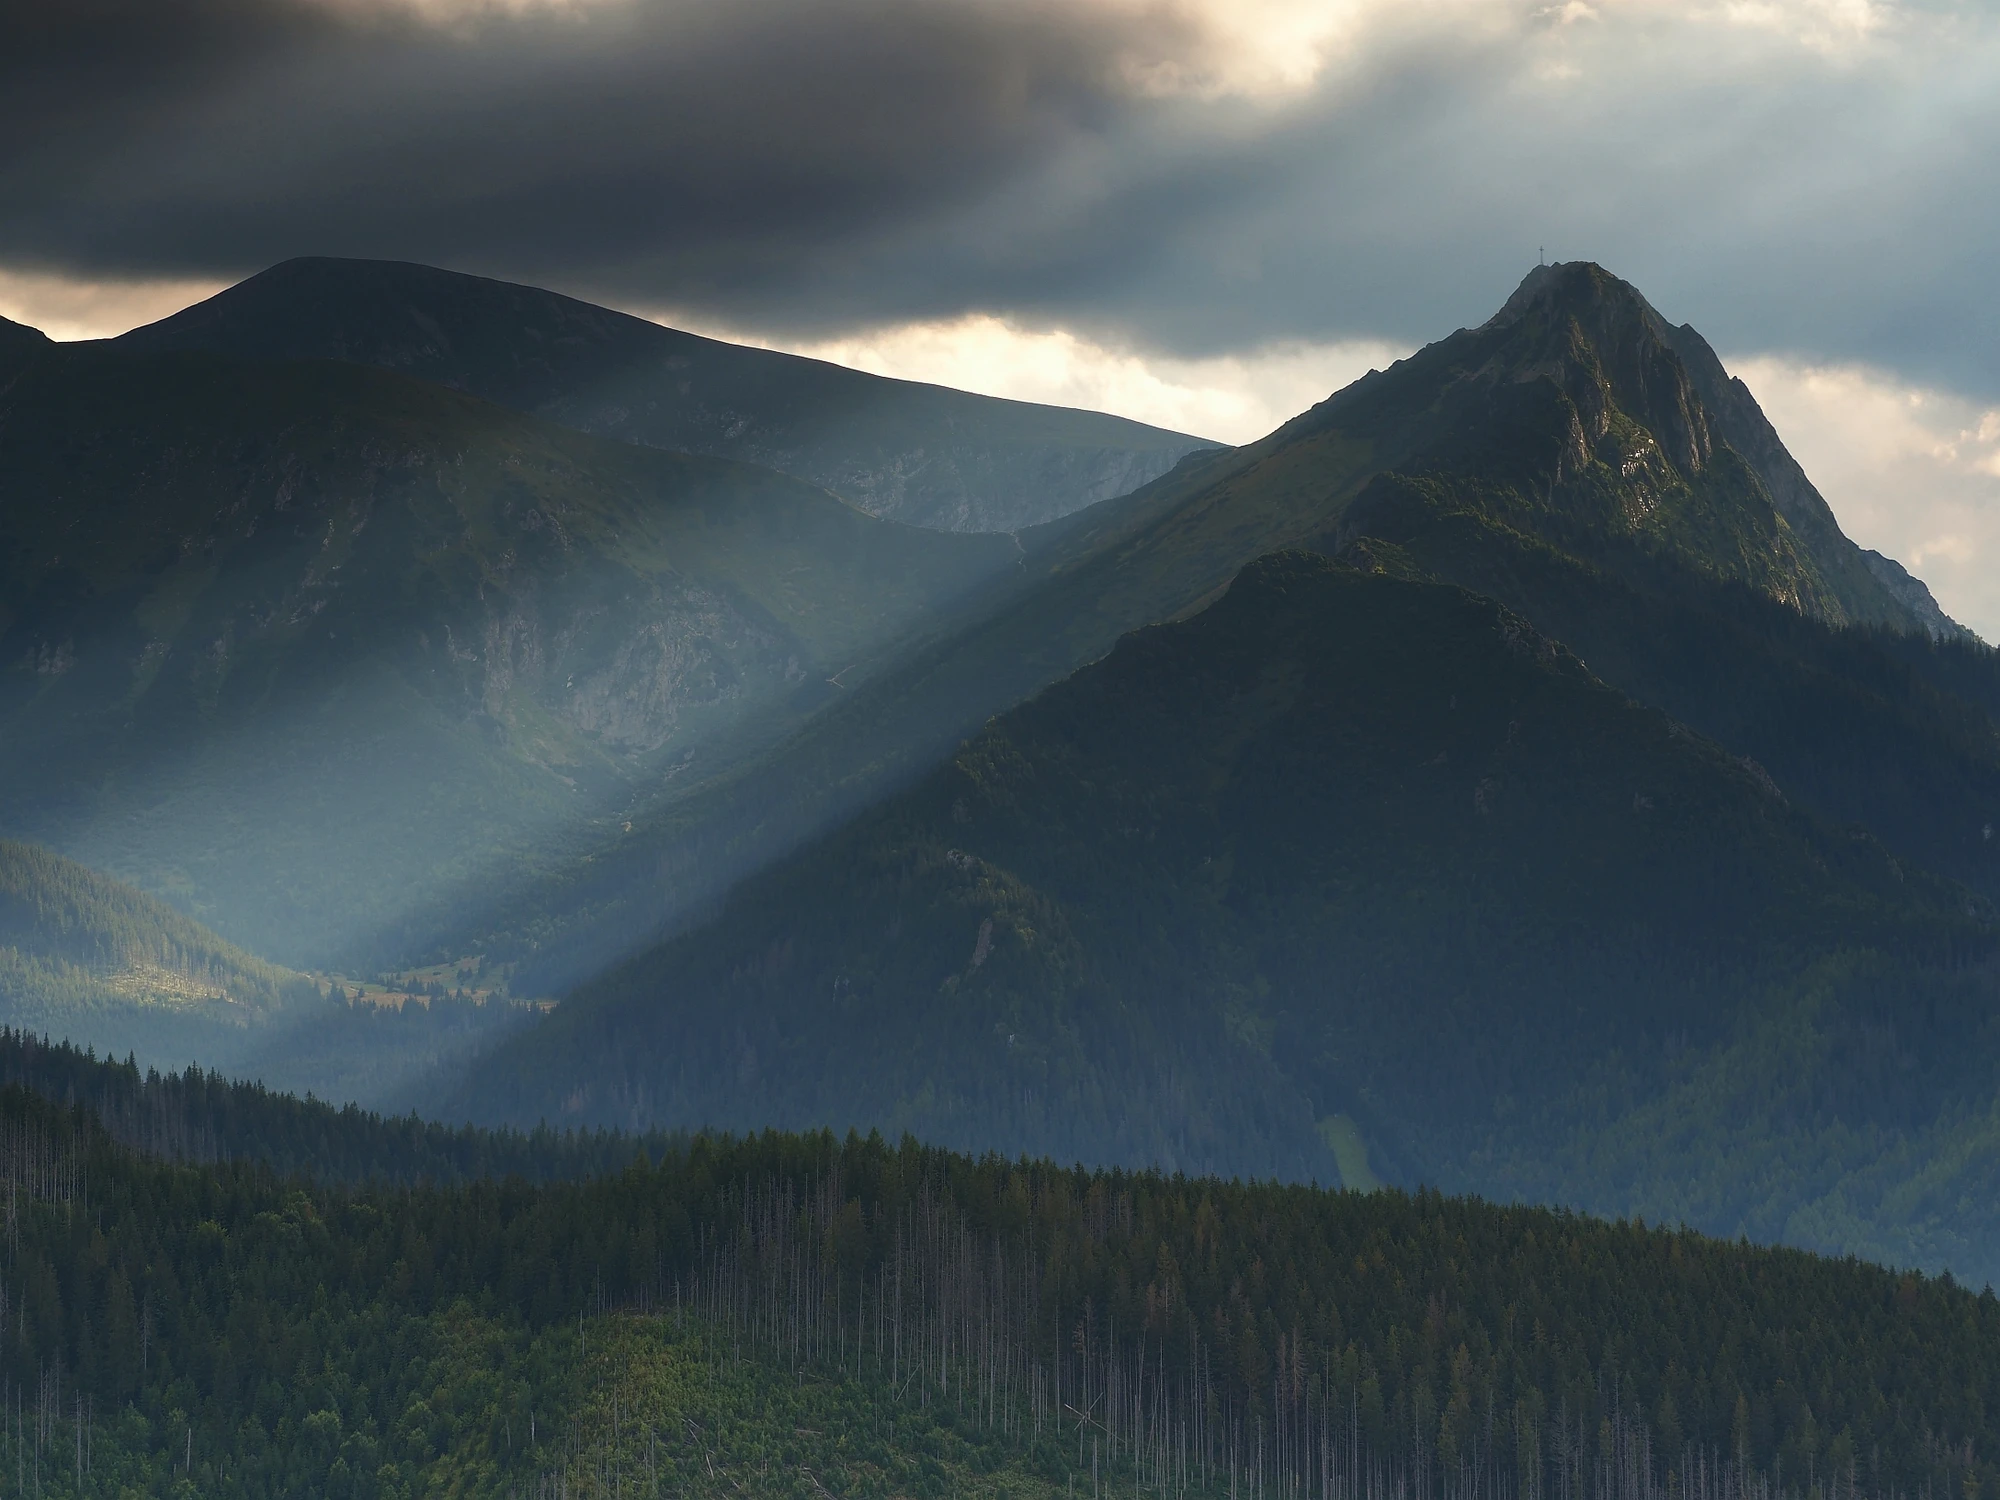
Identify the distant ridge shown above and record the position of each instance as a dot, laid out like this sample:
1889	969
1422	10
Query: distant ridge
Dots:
924	454
1915	596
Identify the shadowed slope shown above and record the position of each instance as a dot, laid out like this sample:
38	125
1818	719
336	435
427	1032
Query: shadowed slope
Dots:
1343	844
1570	421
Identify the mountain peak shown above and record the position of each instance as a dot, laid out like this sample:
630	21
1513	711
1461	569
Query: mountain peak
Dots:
1576	287
444	326
1610	352
1579	413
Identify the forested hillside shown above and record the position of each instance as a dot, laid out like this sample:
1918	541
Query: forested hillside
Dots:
1889	730
1577	423
800	1316
1349	861
204	1117
88	960
87	957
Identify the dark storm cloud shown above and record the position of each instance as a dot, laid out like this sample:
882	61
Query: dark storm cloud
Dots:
1835	199
1819	179
702	144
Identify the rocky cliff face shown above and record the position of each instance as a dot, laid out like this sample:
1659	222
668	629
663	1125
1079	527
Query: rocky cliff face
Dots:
1577	413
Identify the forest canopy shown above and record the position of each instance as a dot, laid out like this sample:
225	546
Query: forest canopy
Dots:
224	1326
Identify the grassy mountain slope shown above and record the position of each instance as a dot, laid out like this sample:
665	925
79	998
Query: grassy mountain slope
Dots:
917	453
85	956
800	1316
1342	847
1570	424
87	962
296	645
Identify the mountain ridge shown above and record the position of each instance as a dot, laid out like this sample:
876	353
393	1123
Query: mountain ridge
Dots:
905	450
18	343
1590	356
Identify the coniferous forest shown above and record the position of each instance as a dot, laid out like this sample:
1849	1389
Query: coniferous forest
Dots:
800	1315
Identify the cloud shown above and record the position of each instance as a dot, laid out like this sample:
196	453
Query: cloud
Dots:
669	143
1910	471
70	307
1197	178
1233	398
1192	210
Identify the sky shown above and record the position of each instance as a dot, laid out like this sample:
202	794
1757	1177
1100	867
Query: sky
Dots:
1203	213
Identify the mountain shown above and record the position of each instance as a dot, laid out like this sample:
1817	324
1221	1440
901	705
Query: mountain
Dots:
1833	1086
799	1316
1348	859
910	452
299	646
1504	778
1576	457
